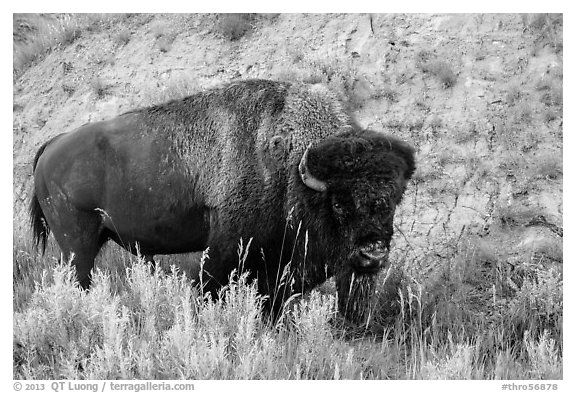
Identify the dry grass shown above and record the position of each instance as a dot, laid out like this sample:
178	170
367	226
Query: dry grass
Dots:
156	326
41	34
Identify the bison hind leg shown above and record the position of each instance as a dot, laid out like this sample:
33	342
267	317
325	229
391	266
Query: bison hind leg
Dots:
80	237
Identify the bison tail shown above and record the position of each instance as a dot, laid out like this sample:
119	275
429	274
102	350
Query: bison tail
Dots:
40	227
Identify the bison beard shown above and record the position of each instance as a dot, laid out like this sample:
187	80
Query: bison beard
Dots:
356	295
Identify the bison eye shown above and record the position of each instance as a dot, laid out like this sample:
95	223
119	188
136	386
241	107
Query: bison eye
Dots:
337	207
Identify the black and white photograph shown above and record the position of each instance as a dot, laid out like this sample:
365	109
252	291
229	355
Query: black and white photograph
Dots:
287	196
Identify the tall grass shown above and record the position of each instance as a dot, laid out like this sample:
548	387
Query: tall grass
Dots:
158	326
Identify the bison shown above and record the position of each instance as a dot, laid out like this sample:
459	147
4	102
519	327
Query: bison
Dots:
282	164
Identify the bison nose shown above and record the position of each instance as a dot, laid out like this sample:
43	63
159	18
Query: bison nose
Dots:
367	263
371	260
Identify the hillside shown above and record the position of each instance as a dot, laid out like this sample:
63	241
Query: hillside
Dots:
479	232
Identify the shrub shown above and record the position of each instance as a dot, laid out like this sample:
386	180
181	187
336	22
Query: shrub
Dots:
157	326
443	72
547	29
544	357
549	115
70	35
123	36
514	214
435	123
98	87
548	166
234	26
428	63
164	44
160	29
552	97
524	113
165	34
389	94
270	17
513	95
537	305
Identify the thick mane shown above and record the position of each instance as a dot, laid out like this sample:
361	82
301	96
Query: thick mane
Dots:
199	121
342	153
235	97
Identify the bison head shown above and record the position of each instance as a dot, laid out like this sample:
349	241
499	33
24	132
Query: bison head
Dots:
355	180
359	178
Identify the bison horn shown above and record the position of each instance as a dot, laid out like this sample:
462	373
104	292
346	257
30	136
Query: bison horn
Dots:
307	178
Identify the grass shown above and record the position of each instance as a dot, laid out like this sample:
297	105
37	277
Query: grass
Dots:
138	325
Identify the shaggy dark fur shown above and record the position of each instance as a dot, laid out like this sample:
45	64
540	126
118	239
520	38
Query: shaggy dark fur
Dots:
221	165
